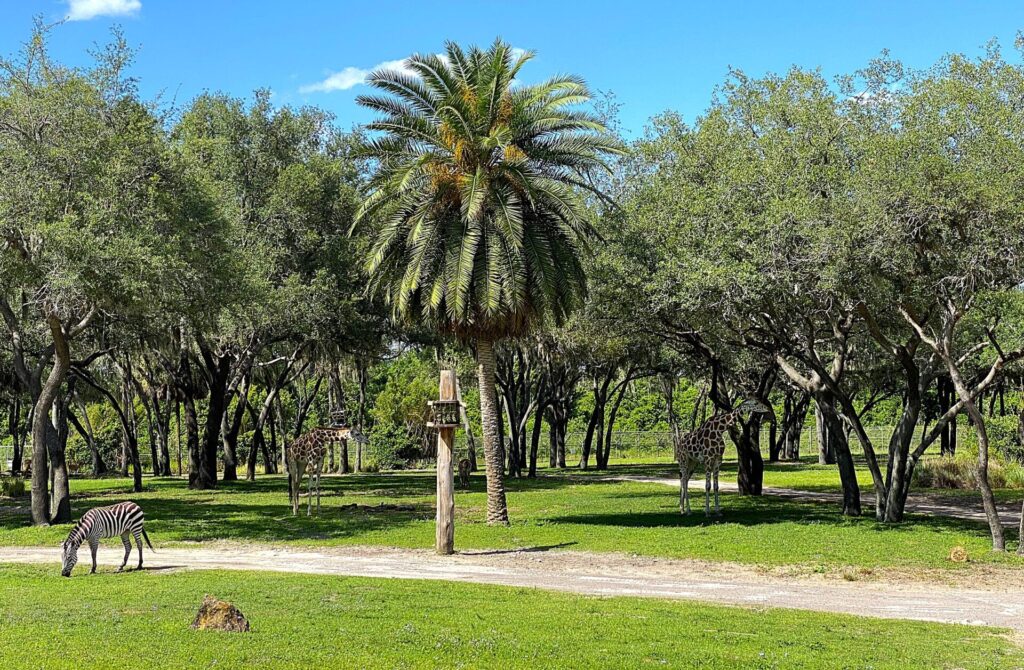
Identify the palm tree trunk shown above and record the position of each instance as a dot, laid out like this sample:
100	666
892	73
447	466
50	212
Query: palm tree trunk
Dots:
497	507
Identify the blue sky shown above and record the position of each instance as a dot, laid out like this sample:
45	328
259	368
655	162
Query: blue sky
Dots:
654	55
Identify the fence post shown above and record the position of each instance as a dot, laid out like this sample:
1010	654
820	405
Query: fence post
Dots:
445	537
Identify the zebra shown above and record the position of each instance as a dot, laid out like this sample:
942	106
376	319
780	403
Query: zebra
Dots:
124	519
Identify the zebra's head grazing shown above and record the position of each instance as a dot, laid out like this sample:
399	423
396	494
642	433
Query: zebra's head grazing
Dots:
69	554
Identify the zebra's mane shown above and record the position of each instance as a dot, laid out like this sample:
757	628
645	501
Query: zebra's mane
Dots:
78	533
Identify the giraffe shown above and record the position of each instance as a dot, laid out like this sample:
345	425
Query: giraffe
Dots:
306	456
704	447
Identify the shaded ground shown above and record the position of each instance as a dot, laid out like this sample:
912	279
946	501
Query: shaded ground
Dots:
965	507
1001	604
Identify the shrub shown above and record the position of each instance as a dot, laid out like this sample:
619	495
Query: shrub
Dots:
12	487
389	446
1002	436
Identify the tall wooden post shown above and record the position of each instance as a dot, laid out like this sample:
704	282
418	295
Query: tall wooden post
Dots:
445	538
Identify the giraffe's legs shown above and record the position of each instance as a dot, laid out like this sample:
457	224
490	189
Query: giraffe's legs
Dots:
718	510
707	491
684	489
293	485
319	470
309	495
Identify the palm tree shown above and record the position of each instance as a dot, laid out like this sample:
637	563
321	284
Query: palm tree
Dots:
477	200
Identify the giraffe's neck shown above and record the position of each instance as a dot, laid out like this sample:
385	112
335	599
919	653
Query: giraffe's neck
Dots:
721	423
334	434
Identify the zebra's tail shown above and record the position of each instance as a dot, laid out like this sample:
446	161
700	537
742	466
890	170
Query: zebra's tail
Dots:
147	540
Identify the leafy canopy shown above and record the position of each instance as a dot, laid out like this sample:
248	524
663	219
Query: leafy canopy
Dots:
477	196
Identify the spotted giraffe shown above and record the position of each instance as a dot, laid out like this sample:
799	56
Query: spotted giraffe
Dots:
306	456
704	448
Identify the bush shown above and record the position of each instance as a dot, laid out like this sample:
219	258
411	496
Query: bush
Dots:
1002	436
12	487
390	447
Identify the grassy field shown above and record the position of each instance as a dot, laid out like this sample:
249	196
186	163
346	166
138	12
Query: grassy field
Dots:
571	511
302	621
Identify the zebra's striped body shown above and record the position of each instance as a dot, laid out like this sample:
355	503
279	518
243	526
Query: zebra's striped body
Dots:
123	519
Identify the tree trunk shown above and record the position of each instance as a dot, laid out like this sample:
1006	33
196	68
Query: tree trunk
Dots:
232	427
840	448
218	369
163	419
588	439
177	429
98	466
944	392
750	463
363	373
597	416
43	437
981	473
619	393
794	427
125	411
259	438
153	449
14	430
562	429
197	476
60	489
826	449
900	466
538	425
497	507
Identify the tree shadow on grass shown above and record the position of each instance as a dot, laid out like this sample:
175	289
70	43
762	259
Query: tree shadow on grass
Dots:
187	519
761	511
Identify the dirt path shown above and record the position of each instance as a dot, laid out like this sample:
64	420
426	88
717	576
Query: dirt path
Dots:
601	574
966	508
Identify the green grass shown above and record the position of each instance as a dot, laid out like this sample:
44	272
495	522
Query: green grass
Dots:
301	621
553	511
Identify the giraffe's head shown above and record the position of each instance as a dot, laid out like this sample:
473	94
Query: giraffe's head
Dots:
752	406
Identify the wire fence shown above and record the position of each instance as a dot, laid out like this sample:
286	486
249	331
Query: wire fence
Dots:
632	446
656	446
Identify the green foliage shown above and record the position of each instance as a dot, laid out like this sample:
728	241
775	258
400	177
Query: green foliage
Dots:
1003	437
390	447
106	430
400	412
105	216
479	226
285	182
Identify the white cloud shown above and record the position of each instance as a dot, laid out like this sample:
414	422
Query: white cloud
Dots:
355	76
83	10
352	76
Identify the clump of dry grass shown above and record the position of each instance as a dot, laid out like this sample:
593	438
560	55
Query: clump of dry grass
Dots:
958	472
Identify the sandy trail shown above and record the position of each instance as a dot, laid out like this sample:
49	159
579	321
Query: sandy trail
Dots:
994	604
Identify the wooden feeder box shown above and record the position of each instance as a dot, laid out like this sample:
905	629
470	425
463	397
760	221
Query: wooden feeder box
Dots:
445	414
339	418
